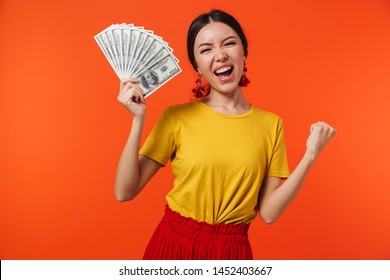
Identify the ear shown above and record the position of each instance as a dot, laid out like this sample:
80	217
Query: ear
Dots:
199	73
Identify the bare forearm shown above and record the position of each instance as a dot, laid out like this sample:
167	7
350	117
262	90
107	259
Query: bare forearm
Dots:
127	175
274	198
282	196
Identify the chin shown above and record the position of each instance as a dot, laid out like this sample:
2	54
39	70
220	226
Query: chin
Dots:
227	89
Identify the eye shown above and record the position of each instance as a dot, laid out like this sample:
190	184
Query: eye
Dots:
204	51
231	43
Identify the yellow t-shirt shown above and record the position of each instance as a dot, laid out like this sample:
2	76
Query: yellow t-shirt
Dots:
219	161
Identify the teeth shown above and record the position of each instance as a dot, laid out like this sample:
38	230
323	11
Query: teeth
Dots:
223	69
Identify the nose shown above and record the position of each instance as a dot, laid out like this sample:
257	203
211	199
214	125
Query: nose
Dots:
220	55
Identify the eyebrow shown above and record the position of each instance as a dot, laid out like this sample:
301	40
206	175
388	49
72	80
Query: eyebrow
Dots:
209	44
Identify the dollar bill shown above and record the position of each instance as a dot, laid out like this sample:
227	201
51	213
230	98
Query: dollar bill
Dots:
155	53
158	74
133	51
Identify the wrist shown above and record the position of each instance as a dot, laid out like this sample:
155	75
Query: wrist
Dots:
310	157
138	120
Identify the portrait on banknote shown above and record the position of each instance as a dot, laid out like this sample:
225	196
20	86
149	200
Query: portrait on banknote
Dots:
149	79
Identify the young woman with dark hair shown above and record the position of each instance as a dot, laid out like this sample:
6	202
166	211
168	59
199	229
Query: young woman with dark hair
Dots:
228	156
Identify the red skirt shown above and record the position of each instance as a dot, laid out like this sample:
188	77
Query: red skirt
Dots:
181	238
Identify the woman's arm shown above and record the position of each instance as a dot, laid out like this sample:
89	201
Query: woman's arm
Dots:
274	197
133	171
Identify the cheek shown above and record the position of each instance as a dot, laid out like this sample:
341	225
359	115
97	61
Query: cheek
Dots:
203	63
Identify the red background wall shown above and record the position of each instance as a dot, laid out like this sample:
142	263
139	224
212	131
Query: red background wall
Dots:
62	130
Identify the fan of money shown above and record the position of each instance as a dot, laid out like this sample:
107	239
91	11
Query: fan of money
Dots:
133	51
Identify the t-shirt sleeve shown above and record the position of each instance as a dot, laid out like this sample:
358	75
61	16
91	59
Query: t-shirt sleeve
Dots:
160	144
279	165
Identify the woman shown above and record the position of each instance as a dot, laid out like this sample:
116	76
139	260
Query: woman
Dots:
228	157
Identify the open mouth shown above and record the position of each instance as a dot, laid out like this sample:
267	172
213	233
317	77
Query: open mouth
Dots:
224	71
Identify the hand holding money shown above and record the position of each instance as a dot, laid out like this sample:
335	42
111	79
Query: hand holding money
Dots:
135	52
132	97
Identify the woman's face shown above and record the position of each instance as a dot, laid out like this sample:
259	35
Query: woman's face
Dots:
219	55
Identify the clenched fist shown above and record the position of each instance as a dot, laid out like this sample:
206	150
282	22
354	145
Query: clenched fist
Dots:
320	134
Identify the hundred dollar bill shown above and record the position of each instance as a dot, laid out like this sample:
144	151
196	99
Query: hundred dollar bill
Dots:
158	74
133	51
111	43
115	38
143	44
104	46
155	53
133	45
125	38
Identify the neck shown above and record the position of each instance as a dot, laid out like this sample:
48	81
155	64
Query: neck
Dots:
227	103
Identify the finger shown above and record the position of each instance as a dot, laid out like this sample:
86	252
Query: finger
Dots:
130	79
127	86
140	96
332	132
124	87
140	93
323	130
136	95
313	126
126	94
321	124
130	89
127	81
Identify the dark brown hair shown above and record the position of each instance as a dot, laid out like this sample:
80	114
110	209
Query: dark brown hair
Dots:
204	19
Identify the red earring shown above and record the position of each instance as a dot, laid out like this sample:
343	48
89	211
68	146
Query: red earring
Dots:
244	81
199	90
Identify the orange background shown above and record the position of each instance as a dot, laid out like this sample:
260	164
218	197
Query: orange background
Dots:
62	129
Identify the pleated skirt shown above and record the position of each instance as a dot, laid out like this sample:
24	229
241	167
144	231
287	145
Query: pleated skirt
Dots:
181	238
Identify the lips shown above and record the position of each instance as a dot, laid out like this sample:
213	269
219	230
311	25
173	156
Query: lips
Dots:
224	72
